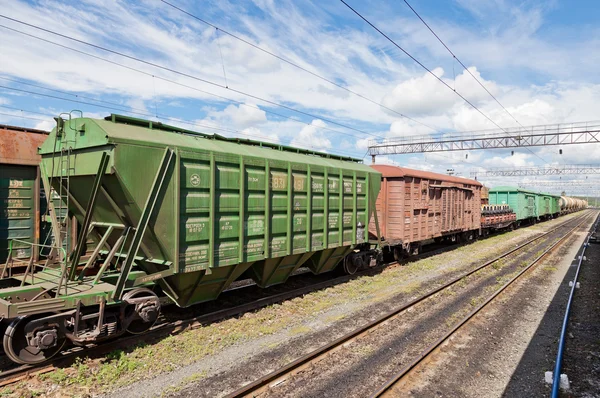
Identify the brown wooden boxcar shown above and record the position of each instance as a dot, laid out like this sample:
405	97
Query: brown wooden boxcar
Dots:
20	190
415	206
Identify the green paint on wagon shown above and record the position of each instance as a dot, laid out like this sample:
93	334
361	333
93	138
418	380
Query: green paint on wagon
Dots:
227	206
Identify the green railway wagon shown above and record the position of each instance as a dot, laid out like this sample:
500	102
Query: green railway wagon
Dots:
547	205
522	201
555	205
179	215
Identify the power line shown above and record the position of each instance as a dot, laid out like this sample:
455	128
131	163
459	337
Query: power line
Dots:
22	117
469	72
186	75
287	61
161	117
115	106
420	64
25	110
110	107
173	81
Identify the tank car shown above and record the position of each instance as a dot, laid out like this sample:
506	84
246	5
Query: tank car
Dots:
178	215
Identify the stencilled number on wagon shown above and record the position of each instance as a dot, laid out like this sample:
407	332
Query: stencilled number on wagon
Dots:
14	202
195	228
347	187
15	183
227	226
333	220
278	181
359	187
195	180
255	227
299	183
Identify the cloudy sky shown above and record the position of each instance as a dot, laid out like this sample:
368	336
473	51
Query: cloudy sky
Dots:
538	58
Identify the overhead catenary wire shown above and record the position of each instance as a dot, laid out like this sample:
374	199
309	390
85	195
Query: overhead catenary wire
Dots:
469	72
184	74
113	105
178	120
174	82
22	117
108	107
421	65
296	65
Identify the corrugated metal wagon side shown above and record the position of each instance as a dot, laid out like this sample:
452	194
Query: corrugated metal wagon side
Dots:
523	202
20	191
547	205
180	214
415	206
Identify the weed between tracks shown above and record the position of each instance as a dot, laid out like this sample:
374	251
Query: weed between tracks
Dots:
291	318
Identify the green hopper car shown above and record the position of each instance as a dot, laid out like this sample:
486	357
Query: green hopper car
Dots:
179	215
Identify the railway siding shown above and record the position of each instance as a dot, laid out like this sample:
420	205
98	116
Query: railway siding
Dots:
272	335
508	347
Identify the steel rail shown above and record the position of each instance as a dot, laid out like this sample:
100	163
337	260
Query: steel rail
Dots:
428	351
565	324
282	373
14	375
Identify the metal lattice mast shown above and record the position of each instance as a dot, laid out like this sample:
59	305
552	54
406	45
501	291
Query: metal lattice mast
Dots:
543	135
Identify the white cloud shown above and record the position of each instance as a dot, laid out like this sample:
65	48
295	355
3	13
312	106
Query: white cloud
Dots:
426	95
312	137
46	125
244	116
256	134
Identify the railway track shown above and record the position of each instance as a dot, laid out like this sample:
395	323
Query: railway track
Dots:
274	382
11	375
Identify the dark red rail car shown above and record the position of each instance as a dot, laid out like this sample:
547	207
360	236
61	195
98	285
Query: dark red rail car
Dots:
20	190
415	206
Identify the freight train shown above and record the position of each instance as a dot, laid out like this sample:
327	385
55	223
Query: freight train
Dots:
417	207
168	213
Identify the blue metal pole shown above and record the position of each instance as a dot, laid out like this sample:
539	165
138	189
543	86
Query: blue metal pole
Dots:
561	343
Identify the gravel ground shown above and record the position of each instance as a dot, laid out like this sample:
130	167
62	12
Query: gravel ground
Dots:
508	347
360	367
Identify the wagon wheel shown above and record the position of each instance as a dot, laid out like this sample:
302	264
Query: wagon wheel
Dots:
398	253
351	265
142	310
48	342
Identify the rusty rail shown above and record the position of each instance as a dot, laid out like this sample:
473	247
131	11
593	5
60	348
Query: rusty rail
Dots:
387	387
262	384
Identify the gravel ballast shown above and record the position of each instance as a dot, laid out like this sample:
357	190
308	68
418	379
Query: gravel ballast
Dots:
508	347
217	358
